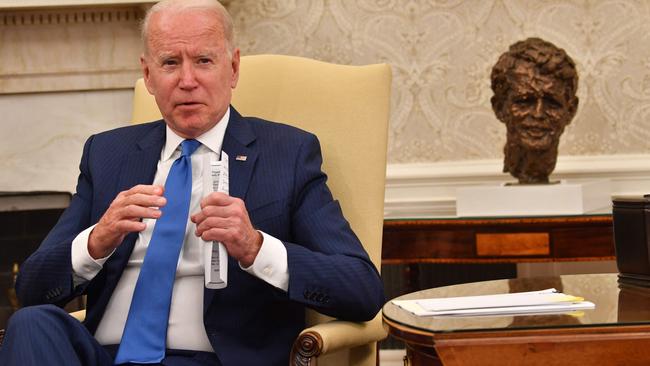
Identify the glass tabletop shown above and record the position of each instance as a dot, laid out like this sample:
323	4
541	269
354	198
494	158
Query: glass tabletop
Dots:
616	304
603	212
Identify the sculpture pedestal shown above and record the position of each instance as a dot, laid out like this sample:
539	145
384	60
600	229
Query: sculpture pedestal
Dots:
563	198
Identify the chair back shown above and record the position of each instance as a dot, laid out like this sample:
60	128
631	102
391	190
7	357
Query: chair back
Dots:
347	107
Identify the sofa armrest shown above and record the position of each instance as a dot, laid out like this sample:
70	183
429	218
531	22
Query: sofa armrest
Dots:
334	335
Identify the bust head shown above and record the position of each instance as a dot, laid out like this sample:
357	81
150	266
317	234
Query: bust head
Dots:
534	85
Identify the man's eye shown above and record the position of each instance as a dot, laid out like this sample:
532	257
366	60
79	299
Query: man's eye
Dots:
169	63
524	101
552	102
205	60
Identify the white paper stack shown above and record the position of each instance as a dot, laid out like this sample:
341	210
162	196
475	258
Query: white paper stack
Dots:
545	301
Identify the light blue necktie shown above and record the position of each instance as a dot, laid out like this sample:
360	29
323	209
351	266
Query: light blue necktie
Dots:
145	332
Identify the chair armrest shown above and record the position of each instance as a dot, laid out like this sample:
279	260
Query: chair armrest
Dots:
335	335
79	315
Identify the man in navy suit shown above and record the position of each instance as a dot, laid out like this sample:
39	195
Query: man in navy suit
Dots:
288	244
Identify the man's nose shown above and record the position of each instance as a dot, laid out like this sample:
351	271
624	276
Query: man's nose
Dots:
539	108
188	76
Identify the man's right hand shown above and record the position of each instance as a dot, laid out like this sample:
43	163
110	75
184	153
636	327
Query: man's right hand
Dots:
124	216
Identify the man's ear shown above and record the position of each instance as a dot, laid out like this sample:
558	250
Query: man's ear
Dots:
497	107
234	63
573	108
146	74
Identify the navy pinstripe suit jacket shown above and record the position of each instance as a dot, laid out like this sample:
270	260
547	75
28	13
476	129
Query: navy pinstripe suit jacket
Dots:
250	322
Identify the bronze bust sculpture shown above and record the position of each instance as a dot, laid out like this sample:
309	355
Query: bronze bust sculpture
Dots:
534	85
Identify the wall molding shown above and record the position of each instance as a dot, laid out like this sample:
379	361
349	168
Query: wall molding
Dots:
429	189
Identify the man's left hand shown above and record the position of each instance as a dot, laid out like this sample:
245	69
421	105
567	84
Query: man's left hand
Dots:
225	219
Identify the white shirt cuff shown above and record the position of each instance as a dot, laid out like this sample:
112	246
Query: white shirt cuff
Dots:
270	264
84	267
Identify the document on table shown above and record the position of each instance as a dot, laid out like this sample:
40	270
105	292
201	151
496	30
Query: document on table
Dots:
545	301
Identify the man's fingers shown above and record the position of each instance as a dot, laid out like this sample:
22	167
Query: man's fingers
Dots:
144	200
134	212
213	211
241	245
216	199
214	222
217	234
225	219
141	199
144	189
139	202
124	216
130	226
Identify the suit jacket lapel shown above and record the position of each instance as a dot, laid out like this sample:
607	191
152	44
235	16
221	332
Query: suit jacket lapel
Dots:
241	161
138	167
241	158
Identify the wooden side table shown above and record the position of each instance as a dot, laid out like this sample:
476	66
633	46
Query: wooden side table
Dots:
616	332
496	240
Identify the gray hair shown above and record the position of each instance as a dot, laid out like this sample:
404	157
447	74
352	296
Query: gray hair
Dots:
180	5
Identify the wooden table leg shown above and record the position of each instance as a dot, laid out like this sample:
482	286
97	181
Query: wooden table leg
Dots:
421	356
412	277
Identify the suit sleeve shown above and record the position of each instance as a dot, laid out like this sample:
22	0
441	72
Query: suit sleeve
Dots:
46	276
329	270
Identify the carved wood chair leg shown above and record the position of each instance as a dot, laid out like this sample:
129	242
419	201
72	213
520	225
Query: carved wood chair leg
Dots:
377	353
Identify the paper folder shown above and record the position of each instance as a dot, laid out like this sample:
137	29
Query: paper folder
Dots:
544	301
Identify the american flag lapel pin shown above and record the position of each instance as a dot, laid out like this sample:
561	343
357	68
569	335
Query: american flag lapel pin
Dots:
241	157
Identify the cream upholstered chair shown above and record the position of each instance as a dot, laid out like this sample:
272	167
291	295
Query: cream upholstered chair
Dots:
347	107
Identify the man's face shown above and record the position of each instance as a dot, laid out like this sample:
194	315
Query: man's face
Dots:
188	69
536	109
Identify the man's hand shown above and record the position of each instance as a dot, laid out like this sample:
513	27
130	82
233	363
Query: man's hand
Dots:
225	219
124	216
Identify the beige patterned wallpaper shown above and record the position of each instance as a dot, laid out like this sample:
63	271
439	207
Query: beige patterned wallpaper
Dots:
442	52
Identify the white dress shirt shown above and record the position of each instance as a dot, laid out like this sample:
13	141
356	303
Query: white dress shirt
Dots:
185	330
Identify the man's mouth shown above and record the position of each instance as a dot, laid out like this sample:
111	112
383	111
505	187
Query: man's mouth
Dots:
536	131
188	105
